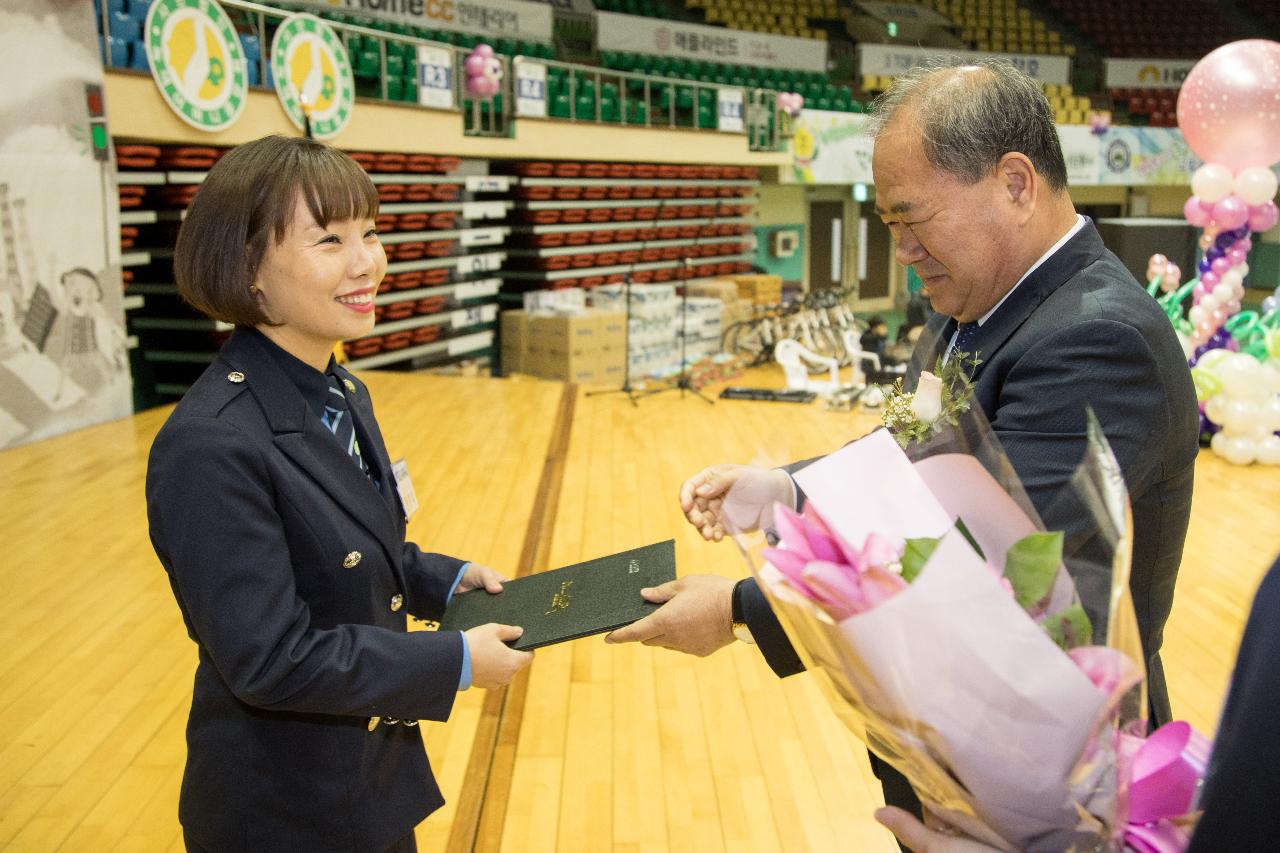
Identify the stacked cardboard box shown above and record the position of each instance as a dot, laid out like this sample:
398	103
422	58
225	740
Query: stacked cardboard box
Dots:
760	289
586	348
654	346
734	310
700	325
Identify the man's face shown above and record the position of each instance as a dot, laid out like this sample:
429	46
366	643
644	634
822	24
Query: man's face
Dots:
956	235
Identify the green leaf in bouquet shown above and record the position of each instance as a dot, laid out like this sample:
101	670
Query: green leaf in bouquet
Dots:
1031	566
973	543
915	555
1070	627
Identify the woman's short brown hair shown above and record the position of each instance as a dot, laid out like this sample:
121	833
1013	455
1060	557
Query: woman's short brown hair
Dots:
248	197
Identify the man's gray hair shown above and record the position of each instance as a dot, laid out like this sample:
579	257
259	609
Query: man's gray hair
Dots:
968	119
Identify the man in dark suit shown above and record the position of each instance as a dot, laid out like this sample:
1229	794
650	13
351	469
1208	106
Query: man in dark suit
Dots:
971	181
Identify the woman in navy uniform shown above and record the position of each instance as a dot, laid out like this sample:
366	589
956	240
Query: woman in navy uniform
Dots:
274	510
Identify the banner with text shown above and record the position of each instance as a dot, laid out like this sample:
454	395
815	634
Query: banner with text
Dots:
1146	73
531	88
64	361
1136	156
830	148
835	148
694	41
891	60
905	13
1083	153
493	18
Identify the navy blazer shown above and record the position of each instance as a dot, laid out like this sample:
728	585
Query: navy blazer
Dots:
1078	331
294	579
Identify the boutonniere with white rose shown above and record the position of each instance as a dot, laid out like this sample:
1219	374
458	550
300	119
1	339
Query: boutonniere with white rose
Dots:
939	398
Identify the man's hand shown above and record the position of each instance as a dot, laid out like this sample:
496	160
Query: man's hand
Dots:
493	662
696	616
922	839
478	576
733	498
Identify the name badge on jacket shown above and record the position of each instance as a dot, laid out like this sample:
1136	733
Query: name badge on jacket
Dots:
404	487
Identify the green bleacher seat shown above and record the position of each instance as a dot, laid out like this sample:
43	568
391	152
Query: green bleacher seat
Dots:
823	103
395	65
608	91
395	88
409	90
636	112
367	64
626	61
506	47
560	106
585	105
608	109
706	97
706	117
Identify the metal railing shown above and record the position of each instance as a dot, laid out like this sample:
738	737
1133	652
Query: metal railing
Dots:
762	121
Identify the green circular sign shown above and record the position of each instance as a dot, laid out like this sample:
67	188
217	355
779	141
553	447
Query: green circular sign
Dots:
313	75
197	62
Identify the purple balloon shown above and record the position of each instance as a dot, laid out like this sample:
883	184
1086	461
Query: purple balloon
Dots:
1264	217
1225	240
474	65
1204	266
1223	264
1214	253
1195	212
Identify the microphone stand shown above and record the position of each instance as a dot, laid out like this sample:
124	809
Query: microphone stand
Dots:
626	347
684	383
626	388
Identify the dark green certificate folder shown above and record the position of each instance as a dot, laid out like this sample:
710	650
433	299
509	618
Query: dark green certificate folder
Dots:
576	601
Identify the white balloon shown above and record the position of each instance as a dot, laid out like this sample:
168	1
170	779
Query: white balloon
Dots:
1196	315
1208	303
1212	182
1238	415
1270	375
1269	450
1256	185
1243	269
1271	414
1222	292
1237	292
1232	278
1215	408
1188	349
1243	378
1238	450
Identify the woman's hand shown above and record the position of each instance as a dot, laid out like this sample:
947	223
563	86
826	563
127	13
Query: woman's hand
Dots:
478	576
493	662
922	839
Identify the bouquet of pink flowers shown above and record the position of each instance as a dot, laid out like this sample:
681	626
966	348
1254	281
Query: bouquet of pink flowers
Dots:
949	636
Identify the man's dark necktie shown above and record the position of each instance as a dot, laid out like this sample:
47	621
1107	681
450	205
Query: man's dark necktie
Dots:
337	417
965	334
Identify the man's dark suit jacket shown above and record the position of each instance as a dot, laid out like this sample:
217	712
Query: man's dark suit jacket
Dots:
1079	331
285	560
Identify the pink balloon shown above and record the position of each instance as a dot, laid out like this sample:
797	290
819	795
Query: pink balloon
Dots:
1232	307
1209	279
1231	213
1245	245
1221	265
1195	212
1171	279
484	50
474	65
1198	292
1264	217
1227	108
1235	257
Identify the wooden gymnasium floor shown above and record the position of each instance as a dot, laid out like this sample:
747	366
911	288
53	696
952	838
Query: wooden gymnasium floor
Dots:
599	747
